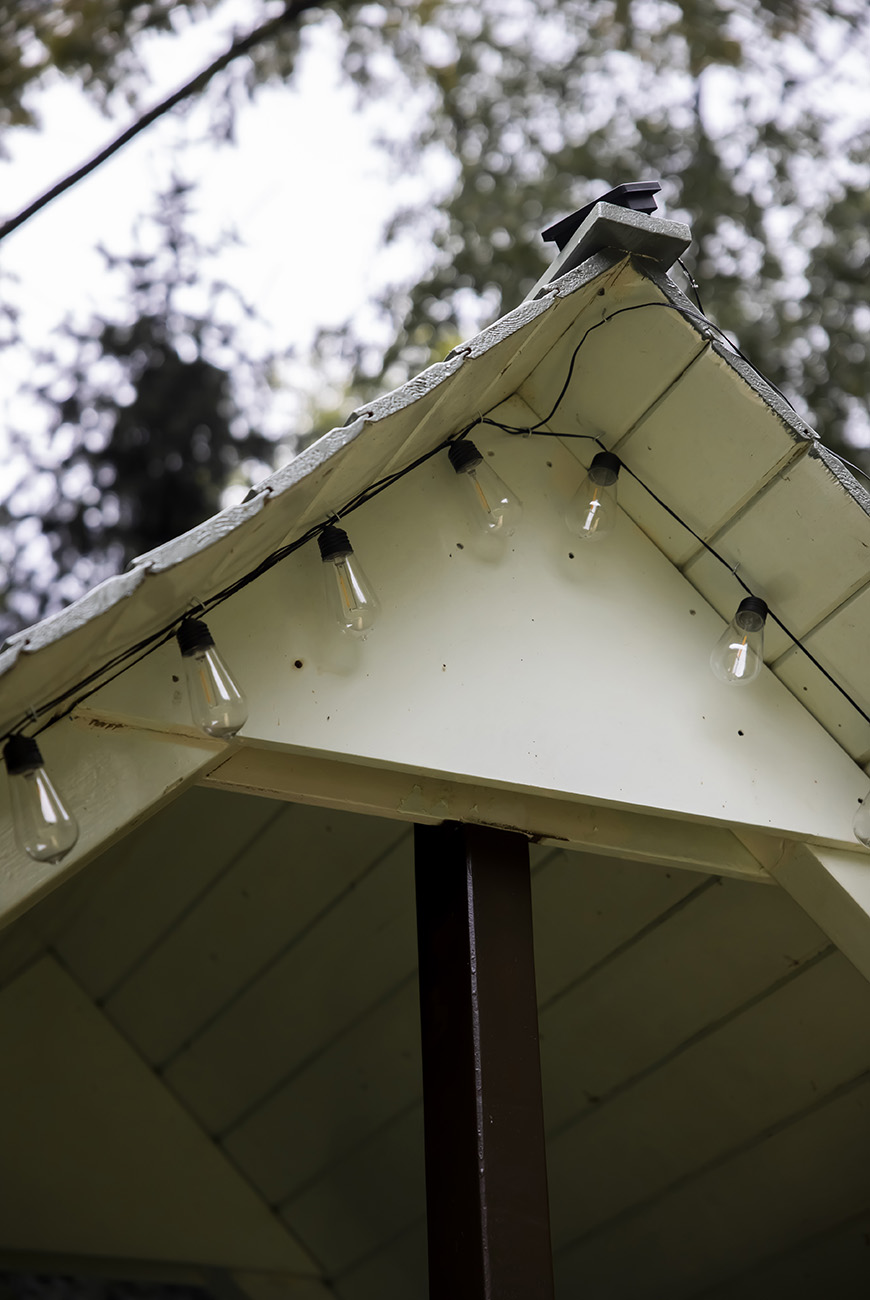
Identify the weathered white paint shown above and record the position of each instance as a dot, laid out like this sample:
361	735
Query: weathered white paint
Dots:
111	779
834	888
413	797
512	667
99	1159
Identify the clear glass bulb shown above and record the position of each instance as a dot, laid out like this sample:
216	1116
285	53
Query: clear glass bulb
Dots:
494	507
43	827
861	823
592	511
738	655
217	705
349	593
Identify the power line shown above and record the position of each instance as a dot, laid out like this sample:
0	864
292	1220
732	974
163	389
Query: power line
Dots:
243	45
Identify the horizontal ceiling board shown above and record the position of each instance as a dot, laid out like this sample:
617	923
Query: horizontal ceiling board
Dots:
766	1197
586	908
703	964
267	1032
754	1073
99	1160
622	367
840	645
397	1269
364	1078
287	879
785	549
708	444
368	1197
147	883
832	1262
818	694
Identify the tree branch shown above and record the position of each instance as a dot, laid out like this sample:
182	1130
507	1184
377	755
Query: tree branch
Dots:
243	45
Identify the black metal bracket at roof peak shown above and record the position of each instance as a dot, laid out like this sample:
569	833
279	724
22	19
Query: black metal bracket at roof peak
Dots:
635	195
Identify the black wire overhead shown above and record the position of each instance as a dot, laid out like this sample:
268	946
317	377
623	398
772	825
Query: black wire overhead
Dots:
64	703
293	10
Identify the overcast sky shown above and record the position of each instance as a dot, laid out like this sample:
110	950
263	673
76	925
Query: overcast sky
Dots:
304	186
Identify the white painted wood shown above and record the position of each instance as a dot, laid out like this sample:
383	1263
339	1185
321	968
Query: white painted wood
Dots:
408	796
833	1262
366	1198
763	1199
723	1091
725	946
147	882
99	1160
622	368
111	780
272	1286
397	1269
272	892
834	889
356	1085
586	907
587	679
357	953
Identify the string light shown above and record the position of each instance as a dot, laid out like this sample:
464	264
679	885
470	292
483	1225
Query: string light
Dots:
592	511
738	655
43	827
218	706
356	604
492	504
349	593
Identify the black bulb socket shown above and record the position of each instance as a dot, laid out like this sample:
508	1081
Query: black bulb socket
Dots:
334	543
605	468
21	754
463	455
193	635
753	605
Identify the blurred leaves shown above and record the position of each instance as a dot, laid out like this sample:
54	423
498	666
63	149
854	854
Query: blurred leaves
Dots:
145	427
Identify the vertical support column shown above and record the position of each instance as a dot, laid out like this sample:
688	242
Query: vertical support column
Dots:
486	1176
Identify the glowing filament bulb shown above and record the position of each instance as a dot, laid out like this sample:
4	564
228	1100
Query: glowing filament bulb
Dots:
348	591
43	827
218	706
739	653
592	511
494	506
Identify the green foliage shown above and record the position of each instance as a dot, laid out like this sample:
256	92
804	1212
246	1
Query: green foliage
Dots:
93	40
544	104
144	422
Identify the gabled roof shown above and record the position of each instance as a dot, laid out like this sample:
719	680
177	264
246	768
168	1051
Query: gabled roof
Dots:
695	423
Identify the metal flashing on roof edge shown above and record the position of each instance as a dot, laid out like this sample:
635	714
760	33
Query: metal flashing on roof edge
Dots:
612	227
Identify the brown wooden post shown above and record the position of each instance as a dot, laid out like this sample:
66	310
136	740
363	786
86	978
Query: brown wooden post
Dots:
486	1176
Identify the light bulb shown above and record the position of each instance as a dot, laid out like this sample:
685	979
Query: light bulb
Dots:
739	653
43	827
592	511
861	823
493	505
218	706
348	590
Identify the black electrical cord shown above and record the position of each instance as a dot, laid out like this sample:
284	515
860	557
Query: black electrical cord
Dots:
64	703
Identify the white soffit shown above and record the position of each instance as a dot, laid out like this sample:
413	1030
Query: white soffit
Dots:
695	423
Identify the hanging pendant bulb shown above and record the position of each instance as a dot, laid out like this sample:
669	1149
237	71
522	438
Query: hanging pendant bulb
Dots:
739	653
592	511
493	505
861	823
218	706
43	827
348	591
